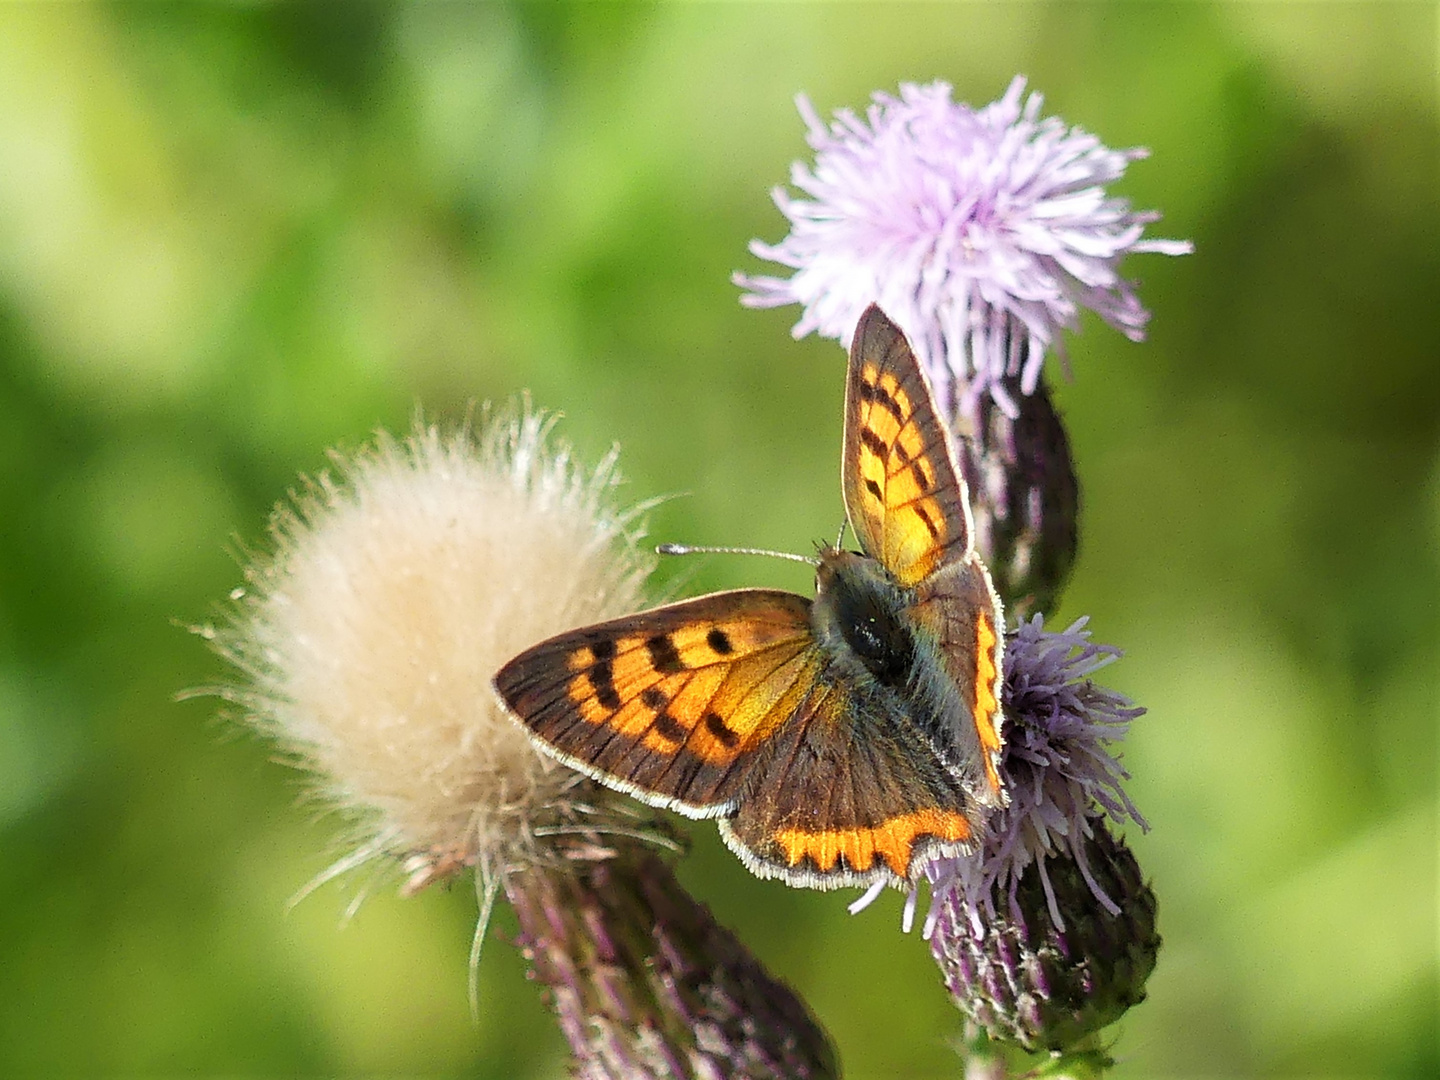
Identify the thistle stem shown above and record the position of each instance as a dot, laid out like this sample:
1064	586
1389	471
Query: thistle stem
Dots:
646	985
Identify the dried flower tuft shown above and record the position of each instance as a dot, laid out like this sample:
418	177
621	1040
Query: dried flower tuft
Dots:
397	586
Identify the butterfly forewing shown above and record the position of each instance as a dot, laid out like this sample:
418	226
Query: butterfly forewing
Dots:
906	502
909	506
669	704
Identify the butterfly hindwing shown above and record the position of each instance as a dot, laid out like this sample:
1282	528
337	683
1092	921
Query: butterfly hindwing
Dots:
841	797
906	501
670	704
957	609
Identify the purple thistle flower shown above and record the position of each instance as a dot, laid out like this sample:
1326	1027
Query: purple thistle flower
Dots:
1048	933
1060	773
980	232
1021	980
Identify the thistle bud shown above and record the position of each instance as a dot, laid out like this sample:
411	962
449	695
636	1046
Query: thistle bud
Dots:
1022	976
1024	494
1047	933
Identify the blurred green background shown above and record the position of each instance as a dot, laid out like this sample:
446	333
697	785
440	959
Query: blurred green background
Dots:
231	236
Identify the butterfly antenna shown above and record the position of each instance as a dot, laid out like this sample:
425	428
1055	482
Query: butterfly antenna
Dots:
688	549
840	540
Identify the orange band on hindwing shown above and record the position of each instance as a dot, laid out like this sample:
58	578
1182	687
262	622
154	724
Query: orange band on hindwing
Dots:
890	841
986	704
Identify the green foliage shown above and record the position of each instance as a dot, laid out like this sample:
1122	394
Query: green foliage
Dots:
233	236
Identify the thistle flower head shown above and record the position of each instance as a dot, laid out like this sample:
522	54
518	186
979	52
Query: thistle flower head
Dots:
980	232
397	585
1058	769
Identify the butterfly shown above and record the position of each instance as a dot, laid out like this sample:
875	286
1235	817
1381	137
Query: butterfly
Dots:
844	740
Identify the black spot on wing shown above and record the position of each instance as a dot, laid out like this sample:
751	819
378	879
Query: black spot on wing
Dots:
724	734
878	395
719	642
916	464
874	443
930	523
663	655
602	680
653	699
669	728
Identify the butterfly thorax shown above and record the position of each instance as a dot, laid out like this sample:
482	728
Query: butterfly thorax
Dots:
879	641
858	618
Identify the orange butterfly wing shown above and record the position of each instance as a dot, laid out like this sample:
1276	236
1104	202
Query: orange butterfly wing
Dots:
906	500
672	704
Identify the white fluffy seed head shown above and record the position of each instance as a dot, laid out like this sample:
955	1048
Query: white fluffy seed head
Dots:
397	587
